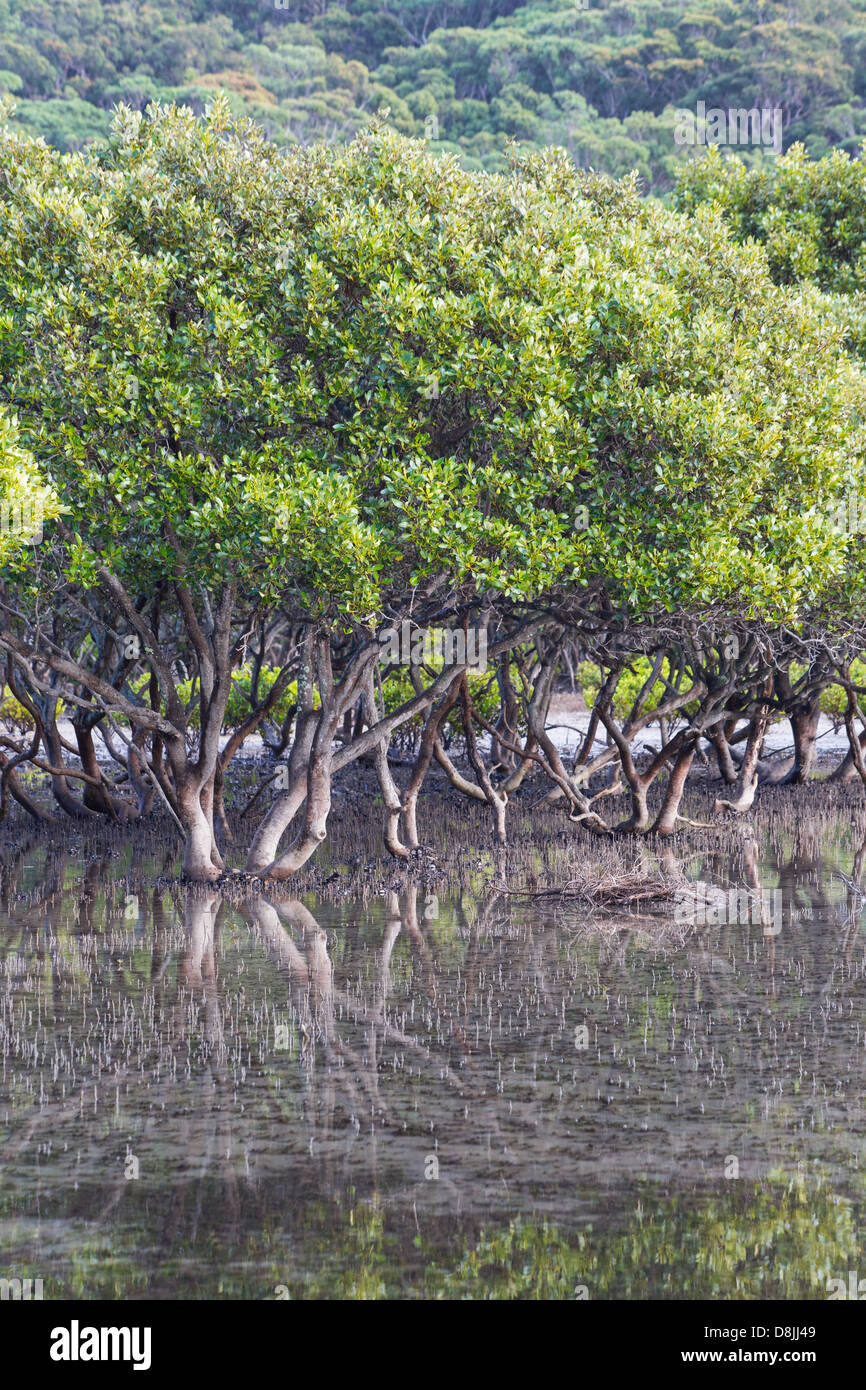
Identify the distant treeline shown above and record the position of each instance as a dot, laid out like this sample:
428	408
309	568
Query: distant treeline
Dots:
600	78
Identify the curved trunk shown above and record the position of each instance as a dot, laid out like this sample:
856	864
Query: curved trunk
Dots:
315	828
494	797
847	769
640	817
429	739
855	744
724	757
804	727
98	798
202	862
393	806
334	701
198	863
387	785
457	780
266	841
667	817
206	797
747	781
54	753
21	796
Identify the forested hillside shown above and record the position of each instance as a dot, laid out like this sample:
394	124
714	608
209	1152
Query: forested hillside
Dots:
599	77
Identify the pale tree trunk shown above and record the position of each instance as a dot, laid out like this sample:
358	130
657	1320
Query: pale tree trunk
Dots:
387	785
667	817
266	841
198	860
194	782
324	759
316	810
856	746
259	712
318	799
847	770
746	787
457	780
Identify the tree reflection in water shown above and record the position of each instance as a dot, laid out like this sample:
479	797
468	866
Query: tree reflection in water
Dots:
386	1097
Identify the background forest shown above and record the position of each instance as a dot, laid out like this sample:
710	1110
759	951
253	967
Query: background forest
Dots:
601	78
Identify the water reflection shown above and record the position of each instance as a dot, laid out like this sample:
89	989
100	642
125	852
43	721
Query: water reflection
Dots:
469	1095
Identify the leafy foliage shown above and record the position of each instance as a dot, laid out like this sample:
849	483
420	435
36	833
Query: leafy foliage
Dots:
601	81
338	373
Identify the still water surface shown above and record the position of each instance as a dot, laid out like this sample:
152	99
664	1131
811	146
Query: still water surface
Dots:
472	1094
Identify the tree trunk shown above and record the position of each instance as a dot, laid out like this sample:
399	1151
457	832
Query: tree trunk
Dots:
266	841
847	769
722	749
855	744
318	806
804	727
746	787
429	737
54	754
495	799
198	859
666	820
318	800
387	785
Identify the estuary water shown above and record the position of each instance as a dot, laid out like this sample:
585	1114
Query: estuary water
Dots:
468	1093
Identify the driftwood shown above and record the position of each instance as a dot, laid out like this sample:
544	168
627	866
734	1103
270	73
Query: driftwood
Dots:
609	890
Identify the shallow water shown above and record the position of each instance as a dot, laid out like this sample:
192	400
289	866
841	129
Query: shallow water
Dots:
397	1097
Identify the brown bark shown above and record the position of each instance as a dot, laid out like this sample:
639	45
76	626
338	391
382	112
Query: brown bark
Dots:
496	800
666	820
724	757
429	738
